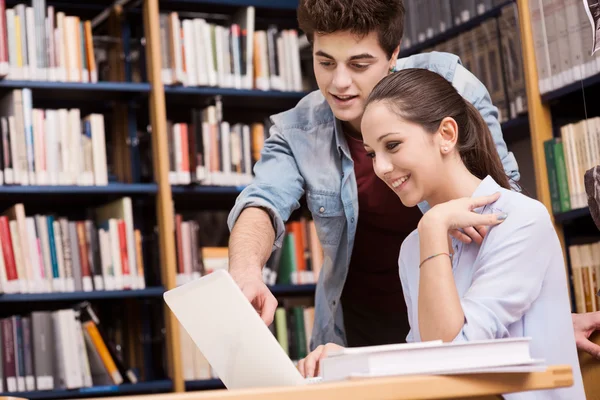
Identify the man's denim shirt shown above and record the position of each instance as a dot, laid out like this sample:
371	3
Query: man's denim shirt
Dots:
307	154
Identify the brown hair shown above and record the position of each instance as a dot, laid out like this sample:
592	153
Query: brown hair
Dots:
426	98
386	17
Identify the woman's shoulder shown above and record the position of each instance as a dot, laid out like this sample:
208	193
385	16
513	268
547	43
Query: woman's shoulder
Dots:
520	206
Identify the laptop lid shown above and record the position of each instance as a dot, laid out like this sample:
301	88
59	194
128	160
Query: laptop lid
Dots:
230	333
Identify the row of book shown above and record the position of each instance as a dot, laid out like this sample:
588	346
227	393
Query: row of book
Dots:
50	147
292	326
585	271
50	253
496	59
563	42
197	52
211	151
41	43
567	158
62	349
441	15
300	258
298	261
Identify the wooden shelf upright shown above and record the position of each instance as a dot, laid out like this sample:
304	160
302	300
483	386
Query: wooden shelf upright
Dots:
164	203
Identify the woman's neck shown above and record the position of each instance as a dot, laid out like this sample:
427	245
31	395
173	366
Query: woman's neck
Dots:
456	182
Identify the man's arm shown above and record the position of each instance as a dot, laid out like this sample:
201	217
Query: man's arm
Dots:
257	221
251	240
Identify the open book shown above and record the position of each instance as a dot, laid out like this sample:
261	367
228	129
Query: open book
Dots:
432	357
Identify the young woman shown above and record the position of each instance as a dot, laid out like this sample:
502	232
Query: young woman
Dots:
429	144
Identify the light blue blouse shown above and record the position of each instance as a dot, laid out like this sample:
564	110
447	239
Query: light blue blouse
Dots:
513	285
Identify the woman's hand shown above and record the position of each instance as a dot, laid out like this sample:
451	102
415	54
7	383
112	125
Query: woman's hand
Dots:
458	214
309	366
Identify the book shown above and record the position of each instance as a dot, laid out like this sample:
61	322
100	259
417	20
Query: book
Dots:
430	357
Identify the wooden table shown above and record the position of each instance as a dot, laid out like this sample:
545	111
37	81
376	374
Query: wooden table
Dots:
462	386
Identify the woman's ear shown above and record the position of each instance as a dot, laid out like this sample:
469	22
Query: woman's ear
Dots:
448	134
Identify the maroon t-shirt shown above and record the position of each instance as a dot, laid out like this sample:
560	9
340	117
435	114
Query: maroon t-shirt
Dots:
372	299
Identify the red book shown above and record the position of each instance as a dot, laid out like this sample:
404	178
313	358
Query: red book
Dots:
123	246
7	250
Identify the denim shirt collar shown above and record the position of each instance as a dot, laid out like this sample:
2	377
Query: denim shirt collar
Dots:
340	139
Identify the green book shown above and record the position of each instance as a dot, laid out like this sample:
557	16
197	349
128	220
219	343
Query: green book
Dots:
281	329
561	174
552	175
300	332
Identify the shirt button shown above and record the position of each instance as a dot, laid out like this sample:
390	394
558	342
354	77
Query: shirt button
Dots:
352	220
322	210
333	303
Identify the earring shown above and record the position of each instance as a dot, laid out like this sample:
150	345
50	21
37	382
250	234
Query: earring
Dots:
392	69
444	148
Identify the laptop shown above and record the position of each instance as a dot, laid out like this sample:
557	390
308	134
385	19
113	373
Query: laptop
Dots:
231	335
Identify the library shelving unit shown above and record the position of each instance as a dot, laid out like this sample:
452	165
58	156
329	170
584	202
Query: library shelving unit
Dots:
546	113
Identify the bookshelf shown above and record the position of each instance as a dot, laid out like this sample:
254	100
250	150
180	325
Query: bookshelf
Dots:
151	102
161	386
456	30
547	112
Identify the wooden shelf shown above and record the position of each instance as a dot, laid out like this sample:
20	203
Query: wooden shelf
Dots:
206	190
77	91
81	296
516	129
269	4
248	99
572	215
571	88
204	384
96	391
293	290
111	188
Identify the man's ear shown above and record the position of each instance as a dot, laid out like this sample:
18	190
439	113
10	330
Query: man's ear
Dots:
395	54
448	134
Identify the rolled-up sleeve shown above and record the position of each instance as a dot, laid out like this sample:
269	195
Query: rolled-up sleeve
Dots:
508	275
277	185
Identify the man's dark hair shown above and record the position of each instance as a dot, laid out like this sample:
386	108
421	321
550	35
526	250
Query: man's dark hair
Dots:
386	17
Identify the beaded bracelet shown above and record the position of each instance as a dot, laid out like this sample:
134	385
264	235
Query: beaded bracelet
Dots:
435	255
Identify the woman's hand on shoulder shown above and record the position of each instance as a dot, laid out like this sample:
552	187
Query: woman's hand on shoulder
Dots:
309	366
458	214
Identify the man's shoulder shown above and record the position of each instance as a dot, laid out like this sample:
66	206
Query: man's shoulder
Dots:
310	112
440	62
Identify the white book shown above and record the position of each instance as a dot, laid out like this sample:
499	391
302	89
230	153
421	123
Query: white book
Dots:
99	147
211	67
62	273
37	266
199	52
179	74
434	357
188	52
121	282
106	259
31	47
42	227
52	152
64	177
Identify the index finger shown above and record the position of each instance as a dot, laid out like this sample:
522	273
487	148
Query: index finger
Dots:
484	200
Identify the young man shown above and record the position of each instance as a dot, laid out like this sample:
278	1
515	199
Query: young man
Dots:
315	150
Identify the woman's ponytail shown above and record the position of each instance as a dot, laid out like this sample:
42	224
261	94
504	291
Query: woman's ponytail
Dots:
478	150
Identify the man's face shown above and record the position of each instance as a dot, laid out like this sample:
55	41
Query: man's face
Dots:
347	67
